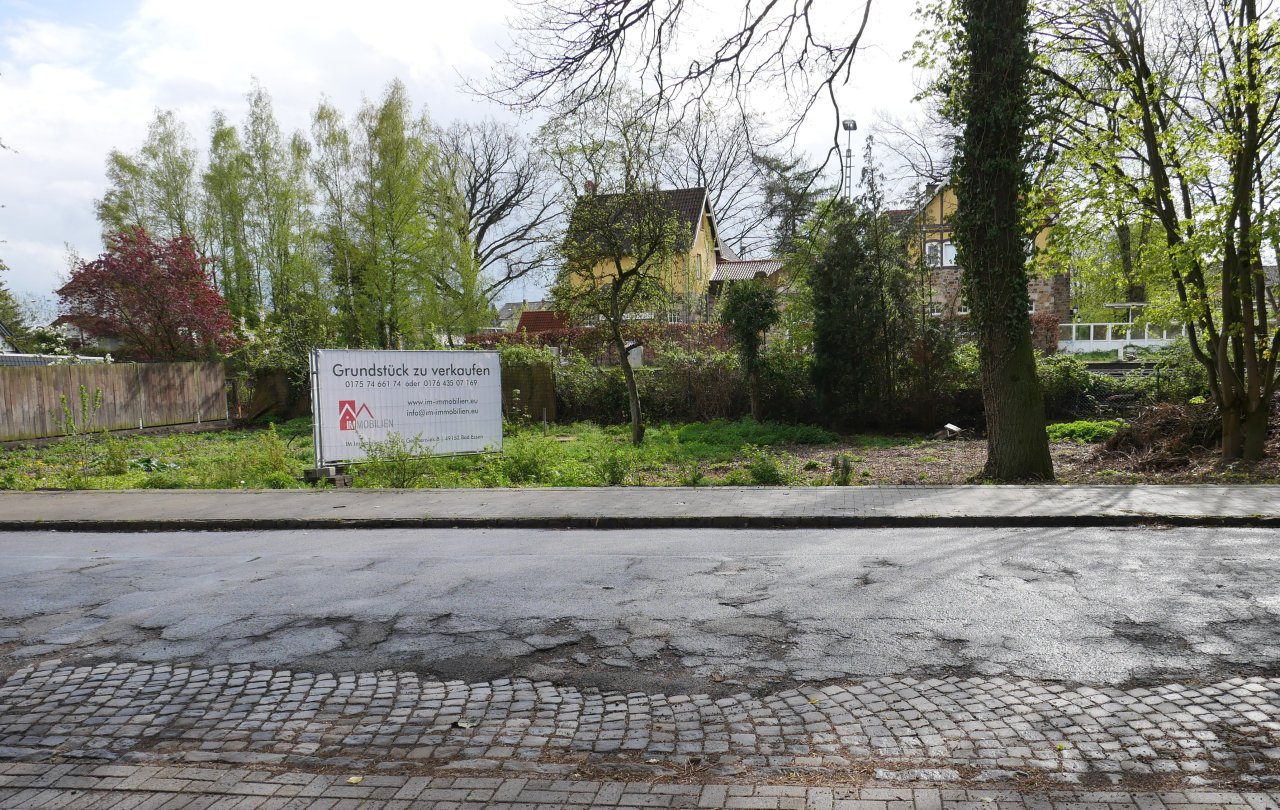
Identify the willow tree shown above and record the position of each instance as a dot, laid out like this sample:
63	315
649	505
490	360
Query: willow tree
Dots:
226	183
1174	107
155	187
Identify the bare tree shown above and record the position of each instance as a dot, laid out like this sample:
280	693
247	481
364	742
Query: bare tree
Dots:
921	150
616	141
512	211
619	142
574	52
717	150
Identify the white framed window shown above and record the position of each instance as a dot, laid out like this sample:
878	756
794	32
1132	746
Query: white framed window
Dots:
1031	308
935	309
940	253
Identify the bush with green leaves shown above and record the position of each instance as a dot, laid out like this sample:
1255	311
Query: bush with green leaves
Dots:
842	470
698	384
585	391
1084	431
764	468
77	429
532	459
1179	377
113	455
787	392
398	462
525	355
616	466
749	311
1070	389
260	460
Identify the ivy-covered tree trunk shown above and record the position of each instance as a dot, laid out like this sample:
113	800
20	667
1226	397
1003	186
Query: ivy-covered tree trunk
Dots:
990	178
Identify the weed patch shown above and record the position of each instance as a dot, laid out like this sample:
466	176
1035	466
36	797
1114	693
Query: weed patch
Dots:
1084	431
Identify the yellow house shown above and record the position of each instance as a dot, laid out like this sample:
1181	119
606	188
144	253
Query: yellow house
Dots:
697	278
689	276
928	232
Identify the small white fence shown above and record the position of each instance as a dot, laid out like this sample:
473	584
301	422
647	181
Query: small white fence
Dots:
1095	337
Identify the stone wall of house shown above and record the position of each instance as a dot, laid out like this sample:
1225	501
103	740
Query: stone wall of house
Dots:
1050	295
946	289
1052	298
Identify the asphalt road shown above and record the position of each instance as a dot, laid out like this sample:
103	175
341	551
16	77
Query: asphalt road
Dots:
712	611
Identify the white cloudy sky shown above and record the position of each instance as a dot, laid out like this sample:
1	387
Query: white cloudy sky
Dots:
80	77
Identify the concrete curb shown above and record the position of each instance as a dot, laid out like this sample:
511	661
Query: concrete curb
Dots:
620	522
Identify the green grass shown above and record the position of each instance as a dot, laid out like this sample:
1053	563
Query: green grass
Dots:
580	454
263	458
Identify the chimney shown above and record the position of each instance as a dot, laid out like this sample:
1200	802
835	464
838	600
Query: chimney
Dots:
589	187
930	189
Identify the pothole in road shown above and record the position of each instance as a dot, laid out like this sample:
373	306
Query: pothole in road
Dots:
1151	636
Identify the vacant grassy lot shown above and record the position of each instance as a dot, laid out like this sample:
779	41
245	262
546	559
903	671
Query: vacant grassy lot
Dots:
704	454
569	455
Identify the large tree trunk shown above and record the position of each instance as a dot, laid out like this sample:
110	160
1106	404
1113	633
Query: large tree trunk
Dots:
1255	433
1017	444
990	178
1232	432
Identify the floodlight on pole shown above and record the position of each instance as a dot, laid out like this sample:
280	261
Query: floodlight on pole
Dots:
850	126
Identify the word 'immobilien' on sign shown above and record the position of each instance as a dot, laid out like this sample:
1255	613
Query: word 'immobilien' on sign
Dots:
449	401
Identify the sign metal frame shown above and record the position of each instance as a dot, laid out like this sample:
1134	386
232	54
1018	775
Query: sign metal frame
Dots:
319	411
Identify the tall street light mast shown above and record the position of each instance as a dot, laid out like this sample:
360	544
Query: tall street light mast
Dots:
850	126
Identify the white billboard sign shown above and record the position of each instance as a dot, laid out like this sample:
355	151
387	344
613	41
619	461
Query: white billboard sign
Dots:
450	401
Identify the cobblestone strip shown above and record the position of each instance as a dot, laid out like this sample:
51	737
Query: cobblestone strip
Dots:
983	726
33	786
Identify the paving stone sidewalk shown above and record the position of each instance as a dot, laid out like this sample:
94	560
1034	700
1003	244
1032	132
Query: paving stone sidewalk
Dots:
645	507
899	730
124	787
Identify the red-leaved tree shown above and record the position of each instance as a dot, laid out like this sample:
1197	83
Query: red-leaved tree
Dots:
155	297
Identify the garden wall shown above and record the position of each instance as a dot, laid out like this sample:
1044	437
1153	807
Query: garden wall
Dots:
134	395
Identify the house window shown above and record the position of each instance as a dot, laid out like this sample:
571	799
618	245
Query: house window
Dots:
941	253
697	264
1031	308
963	308
935	309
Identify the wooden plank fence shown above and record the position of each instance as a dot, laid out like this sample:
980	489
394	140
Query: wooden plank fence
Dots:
134	395
528	392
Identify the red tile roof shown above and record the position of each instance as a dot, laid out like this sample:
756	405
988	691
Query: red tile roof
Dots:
541	320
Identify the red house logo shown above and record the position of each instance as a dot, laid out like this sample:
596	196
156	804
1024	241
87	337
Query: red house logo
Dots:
349	412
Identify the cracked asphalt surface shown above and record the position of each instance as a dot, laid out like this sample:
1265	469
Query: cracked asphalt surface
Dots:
718	612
